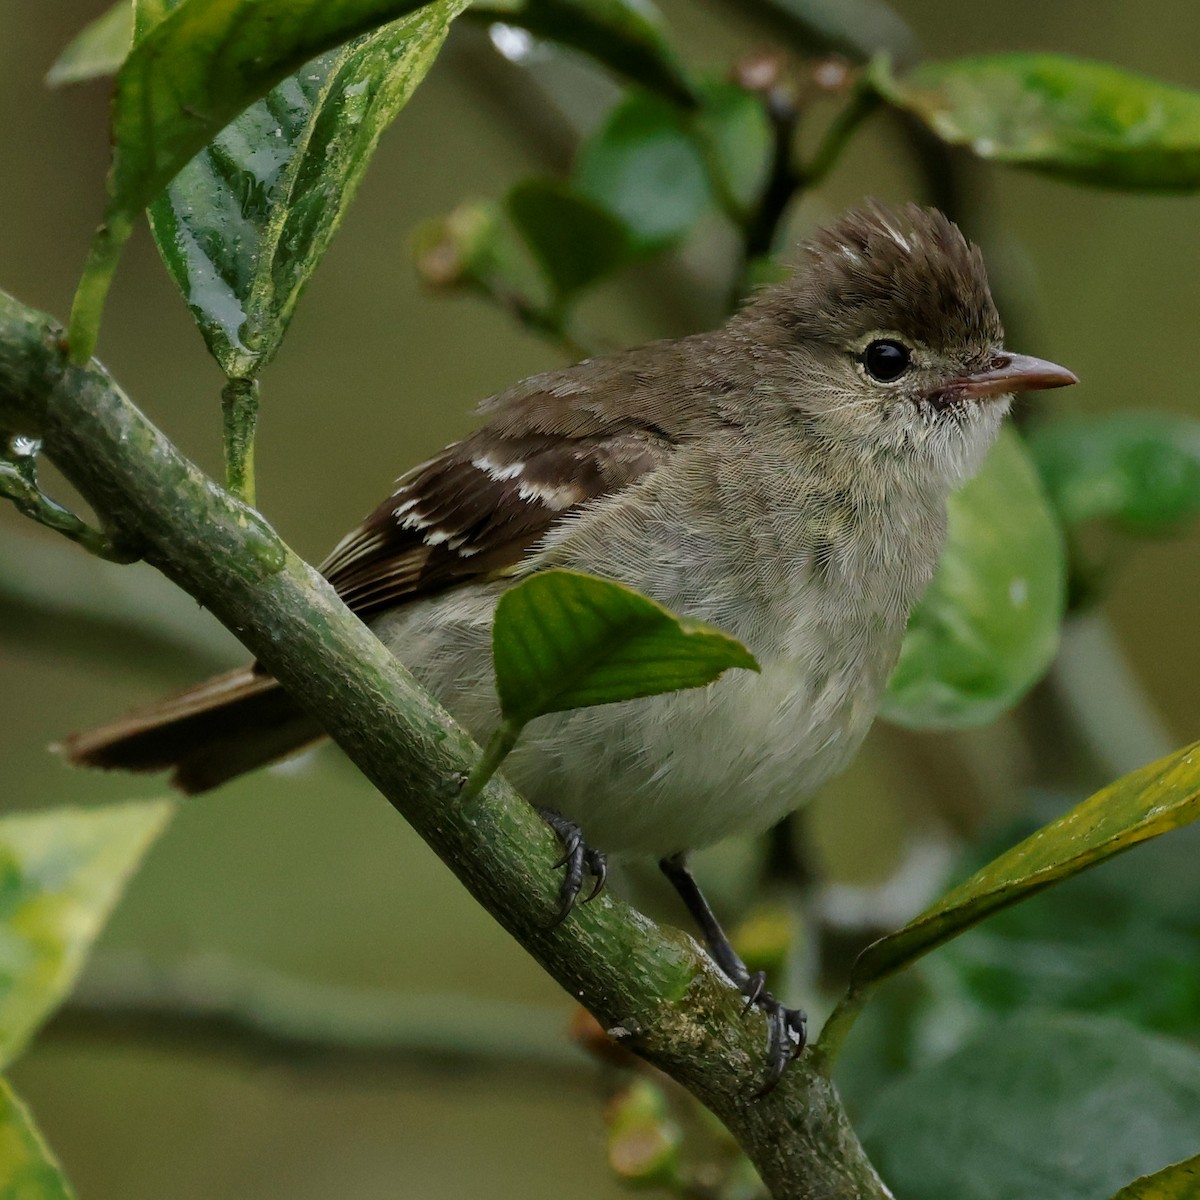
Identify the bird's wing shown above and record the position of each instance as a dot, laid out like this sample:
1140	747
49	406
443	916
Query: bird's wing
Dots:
480	505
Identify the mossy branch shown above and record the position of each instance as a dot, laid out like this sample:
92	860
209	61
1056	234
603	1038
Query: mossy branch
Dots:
652	983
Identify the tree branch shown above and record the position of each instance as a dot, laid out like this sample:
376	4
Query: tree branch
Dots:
216	1005
651	987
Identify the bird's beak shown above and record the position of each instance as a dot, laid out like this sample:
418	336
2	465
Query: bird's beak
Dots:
1010	373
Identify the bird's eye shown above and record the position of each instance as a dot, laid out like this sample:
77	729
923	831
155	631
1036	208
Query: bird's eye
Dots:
886	360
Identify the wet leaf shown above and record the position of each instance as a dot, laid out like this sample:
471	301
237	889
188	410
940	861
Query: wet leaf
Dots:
28	1168
574	241
1083	121
644	166
1040	1106
1153	800
629	37
243	226
1180	1181
61	872
564	640
97	50
190	74
1140	471
987	628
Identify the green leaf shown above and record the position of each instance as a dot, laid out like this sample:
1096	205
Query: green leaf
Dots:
987	628
181	84
563	640
28	1168
243	226
1119	941
1041	1106
644	166
735	133
629	37
1153	800
859	29
148	13
1140	471
97	50
1180	1181
574	241
1082	121
61	872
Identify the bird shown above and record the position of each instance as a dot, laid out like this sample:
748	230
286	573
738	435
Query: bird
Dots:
784	478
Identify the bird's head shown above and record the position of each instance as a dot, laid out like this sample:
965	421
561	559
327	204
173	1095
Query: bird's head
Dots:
895	347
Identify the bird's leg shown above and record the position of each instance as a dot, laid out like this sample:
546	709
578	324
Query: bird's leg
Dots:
788	1027
579	858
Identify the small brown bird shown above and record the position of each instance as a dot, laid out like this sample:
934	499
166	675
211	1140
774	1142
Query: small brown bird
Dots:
783	477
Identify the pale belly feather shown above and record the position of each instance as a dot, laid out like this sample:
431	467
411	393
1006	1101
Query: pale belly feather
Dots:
677	772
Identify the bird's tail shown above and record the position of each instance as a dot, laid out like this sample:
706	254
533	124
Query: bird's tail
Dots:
214	731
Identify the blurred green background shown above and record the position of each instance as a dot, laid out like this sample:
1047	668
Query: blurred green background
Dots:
306	870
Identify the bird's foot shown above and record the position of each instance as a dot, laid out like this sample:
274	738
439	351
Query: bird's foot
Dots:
787	1028
579	859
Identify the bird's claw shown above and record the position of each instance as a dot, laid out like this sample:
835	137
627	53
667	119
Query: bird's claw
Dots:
753	988
787	1029
579	859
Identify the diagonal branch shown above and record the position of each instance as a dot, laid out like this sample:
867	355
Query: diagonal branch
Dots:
652	984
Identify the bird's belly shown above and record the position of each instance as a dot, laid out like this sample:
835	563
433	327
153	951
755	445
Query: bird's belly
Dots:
664	773
682	771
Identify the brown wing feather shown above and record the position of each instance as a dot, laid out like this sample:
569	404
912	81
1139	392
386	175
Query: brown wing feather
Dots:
482	504
552	445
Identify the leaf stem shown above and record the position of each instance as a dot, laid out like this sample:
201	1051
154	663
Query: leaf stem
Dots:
864	101
239	402
837	1026
758	237
494	753
87	308
547	321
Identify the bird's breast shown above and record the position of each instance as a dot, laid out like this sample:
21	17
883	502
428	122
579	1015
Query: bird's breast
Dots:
817	582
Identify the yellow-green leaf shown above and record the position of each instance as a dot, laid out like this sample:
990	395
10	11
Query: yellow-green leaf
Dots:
1153	800
98	49
28	1168
190	74
61	873
1180	1181
1087	122
243	226
565	640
